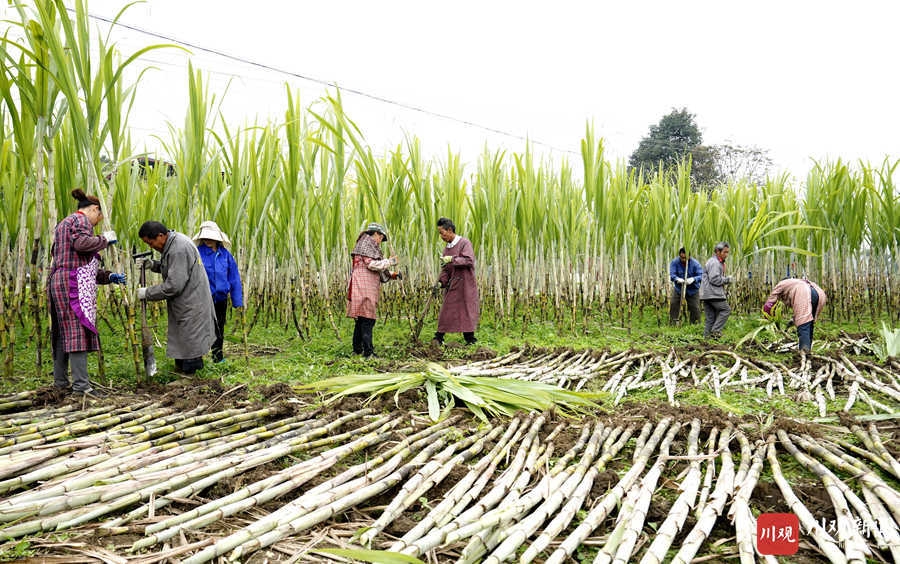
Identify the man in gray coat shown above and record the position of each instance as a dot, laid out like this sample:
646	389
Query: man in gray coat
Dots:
712	292
185	287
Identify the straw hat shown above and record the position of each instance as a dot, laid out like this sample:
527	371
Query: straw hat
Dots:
209	230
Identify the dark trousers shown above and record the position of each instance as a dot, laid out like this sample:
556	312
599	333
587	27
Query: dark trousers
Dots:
221	312
188	365
693	303
469	336
805	331
362	336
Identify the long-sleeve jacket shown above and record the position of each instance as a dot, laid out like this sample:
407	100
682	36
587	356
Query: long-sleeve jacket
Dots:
72	287
192	319
460	310
714	280
795	293
368	273
694	270
222	271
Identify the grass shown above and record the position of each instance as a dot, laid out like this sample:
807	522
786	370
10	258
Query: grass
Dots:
277	355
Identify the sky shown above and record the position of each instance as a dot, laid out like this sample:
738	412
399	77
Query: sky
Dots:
802	79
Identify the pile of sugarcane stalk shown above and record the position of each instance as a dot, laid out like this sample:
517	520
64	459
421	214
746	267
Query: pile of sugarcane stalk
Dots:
845	343
814	379
528	488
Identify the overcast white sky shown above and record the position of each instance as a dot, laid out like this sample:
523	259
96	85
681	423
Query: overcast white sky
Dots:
803	79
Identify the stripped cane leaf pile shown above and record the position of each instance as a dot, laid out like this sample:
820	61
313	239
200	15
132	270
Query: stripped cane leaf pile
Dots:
483	396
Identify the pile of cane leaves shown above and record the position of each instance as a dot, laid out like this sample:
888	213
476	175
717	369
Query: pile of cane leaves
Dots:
483	396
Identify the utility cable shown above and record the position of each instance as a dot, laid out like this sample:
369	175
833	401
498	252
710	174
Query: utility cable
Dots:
331	84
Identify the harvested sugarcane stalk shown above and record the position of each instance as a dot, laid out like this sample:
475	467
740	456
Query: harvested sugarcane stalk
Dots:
610	500
709	475
426	478
680	510
529	525
855	546
621	541
577	499
739	513
711	511
826	544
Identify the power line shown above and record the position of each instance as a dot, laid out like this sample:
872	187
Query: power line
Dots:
331	84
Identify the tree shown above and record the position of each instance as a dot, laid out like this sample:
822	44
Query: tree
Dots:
669	142
741	162
705	172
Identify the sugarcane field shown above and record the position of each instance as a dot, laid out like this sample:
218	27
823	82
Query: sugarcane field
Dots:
277	341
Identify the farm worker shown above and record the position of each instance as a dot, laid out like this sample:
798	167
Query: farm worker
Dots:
712	292
370	271
72	292
685	275
185	287
806	299
224	278
459	312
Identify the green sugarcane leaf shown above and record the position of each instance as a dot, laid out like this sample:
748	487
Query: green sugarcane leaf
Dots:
891	340
477	411
374	556
445	413
434	407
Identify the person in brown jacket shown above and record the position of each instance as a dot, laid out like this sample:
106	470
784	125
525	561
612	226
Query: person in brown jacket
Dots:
459	312
806	299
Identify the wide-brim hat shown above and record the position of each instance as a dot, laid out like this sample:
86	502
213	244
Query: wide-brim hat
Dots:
377	228
209	230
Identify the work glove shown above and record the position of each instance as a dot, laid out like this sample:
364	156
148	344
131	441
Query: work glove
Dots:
446	259
393	261
767	308
142	293
689	281
679	280
110	237
436	289
729	280
117	278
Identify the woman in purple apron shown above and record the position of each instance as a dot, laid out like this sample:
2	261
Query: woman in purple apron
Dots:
74	275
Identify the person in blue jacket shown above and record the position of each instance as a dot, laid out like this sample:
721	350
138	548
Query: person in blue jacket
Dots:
224	278
685	272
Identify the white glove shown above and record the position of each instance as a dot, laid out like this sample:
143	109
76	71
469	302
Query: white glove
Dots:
142	293
689	281
446	259
728	279
110	237
679	280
